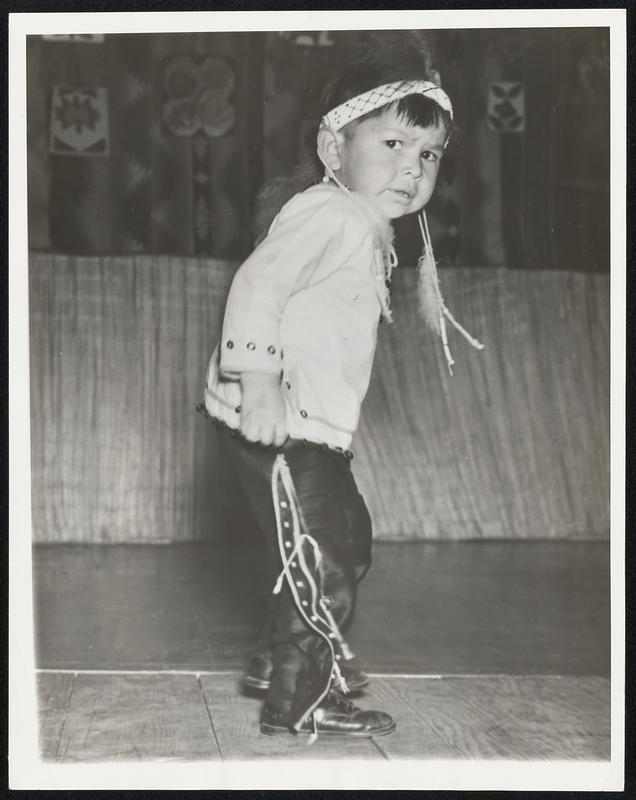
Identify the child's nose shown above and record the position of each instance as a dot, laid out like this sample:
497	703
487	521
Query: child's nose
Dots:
413	166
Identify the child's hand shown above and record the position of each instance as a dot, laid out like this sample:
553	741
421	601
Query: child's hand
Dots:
263	410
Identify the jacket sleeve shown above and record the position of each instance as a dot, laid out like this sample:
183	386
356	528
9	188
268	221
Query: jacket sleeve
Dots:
305	245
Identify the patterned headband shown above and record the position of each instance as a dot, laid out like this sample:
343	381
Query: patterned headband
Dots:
357	106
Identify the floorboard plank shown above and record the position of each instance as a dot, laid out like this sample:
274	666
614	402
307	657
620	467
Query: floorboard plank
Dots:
235	719
554	717
509	717
53	698
433	722
177	717
137	717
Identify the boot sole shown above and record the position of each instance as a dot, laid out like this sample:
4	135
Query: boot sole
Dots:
277	730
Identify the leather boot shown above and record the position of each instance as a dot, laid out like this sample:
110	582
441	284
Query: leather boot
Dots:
335	716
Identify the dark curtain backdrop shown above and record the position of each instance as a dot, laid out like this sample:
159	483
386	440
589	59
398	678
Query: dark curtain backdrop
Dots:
555	177
155	191
536	198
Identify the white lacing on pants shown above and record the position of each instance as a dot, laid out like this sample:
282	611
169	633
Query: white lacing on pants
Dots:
297	530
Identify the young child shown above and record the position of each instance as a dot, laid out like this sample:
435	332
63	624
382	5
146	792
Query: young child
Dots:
288	377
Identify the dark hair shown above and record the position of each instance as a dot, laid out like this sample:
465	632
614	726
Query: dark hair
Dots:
415	109
379	61
366	70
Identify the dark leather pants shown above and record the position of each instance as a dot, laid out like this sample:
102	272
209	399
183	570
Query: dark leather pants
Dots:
337	518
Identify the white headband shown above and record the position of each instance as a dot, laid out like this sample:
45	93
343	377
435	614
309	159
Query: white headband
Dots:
361	104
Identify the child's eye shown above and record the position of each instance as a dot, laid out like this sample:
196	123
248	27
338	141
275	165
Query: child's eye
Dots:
428	155
394	144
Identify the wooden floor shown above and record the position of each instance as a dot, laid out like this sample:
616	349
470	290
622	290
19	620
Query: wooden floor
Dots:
88	717
480	651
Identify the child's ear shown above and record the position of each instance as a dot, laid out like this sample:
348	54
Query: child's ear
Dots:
328	144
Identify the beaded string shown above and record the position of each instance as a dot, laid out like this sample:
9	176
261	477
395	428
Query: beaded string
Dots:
432	305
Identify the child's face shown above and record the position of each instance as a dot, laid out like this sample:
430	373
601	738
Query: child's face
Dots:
393	164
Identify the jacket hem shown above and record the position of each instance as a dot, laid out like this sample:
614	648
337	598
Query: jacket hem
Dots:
339	451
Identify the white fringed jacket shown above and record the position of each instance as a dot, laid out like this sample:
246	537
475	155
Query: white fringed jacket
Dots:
305	306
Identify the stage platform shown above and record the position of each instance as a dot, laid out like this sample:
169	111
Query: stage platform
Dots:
484	649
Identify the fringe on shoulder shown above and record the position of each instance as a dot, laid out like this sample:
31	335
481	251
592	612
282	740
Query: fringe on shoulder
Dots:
277	191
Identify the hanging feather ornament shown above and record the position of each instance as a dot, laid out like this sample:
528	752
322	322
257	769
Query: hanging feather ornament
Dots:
428	293
431	304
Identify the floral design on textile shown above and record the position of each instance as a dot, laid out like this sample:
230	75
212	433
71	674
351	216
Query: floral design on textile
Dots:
79	121
506	107
197	96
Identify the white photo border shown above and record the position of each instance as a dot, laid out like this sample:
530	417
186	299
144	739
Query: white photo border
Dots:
26	770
